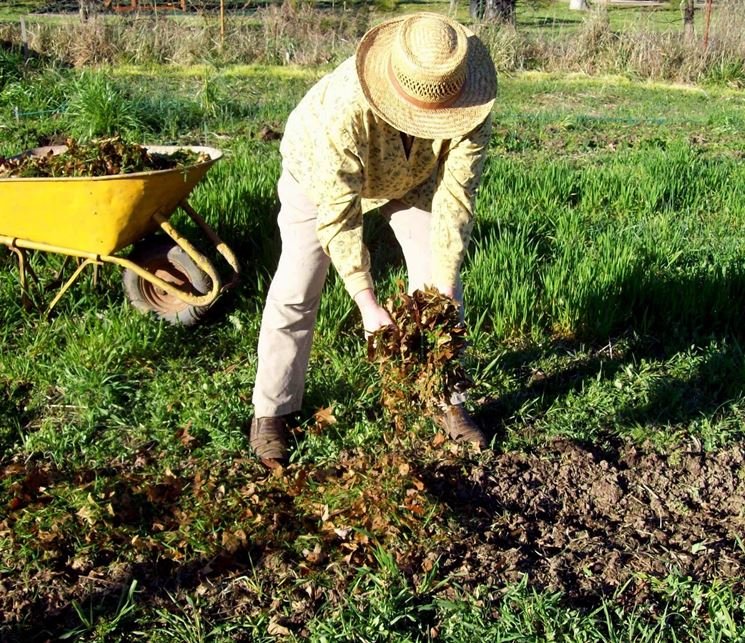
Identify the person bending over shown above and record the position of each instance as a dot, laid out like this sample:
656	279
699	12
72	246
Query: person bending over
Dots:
402	125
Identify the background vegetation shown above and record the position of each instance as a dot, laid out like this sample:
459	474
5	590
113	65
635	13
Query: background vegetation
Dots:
604	288
637	41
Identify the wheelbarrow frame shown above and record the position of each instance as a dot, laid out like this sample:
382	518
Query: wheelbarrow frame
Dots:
158	219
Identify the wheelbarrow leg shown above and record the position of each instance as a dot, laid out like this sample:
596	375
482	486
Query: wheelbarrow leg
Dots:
20	254
58	277
71	281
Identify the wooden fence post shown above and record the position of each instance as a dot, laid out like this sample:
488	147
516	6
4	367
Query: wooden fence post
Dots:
707	24
222	22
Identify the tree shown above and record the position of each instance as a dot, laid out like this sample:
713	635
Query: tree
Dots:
493	10
688	8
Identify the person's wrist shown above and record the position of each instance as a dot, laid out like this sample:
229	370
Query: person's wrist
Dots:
366	301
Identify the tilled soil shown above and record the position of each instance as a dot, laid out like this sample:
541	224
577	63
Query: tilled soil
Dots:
572	518
586	522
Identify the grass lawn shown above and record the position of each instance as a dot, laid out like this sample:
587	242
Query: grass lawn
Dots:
604	291
540	16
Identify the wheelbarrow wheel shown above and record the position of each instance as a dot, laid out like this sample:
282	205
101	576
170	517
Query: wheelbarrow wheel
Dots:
162	257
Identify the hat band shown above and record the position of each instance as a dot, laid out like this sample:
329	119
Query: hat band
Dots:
415	101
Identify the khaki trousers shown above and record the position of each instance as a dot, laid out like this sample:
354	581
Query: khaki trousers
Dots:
291	306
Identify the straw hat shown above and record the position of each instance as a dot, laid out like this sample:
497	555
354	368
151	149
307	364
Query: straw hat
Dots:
426	75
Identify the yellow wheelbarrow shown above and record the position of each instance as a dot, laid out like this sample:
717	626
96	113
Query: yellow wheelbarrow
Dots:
90	219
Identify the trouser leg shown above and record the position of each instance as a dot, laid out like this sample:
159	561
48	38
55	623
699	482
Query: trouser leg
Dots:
291	307
413	230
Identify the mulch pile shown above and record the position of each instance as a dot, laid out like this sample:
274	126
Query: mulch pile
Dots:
103	157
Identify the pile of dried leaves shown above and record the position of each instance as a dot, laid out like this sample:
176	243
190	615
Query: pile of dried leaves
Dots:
103	157
419	358
79	534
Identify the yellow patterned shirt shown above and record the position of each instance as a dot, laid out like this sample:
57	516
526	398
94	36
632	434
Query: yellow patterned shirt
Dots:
348	161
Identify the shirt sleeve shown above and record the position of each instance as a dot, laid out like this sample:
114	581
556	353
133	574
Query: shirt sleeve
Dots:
338	189
452	205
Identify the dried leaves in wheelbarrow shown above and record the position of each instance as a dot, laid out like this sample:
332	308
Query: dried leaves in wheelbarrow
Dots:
105	157
419	359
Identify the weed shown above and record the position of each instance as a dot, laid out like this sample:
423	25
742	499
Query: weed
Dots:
102	627
99	108
419	357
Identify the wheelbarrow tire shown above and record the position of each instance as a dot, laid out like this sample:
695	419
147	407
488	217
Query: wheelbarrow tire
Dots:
162	257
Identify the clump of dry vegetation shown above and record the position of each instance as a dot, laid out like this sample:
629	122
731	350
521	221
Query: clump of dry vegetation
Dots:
597	48
300	34
274	35
104	157
419	358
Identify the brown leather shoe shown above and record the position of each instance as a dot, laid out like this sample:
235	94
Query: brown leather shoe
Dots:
459	425
268	439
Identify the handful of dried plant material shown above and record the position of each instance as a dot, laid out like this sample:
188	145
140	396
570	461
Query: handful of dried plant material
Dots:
419	359
105	157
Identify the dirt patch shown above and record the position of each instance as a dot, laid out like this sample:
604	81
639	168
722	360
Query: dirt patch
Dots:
585	522
572	518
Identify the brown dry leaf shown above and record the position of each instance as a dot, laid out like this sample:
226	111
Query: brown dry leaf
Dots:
165	492
325	417
414	507
184	436
342	533
12	469
275	629
299	484
88	514
232	541
314	556
419	357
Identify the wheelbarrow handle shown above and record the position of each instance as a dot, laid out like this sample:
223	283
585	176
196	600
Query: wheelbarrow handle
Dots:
197	257
219	244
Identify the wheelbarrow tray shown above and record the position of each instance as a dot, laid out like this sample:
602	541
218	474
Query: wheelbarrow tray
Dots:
96	215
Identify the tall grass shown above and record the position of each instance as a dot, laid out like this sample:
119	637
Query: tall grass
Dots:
299	34
98	107
11	65
640	52
276	35
589	250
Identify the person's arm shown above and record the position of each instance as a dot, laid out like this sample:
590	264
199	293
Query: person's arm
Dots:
339	224
453	202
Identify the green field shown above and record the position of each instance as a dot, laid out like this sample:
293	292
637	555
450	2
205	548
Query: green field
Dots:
540	15
605	293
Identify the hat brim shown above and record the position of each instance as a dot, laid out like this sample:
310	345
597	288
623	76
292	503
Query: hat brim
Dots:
456	119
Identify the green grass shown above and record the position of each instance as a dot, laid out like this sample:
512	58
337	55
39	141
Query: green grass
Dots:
604	295
532	16
557	17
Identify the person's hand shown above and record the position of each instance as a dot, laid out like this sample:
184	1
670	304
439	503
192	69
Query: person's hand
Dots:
374	316
374	319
